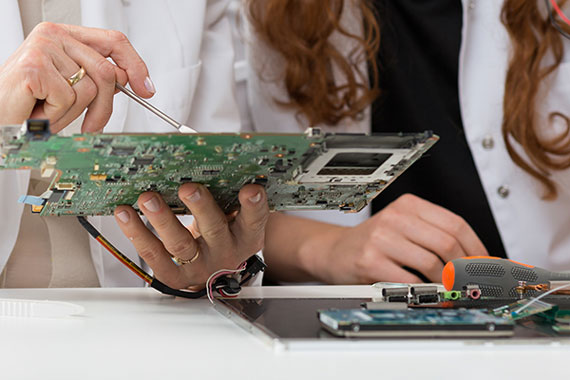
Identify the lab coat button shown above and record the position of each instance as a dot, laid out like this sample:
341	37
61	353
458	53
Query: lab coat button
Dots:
471	4
488	142
503	191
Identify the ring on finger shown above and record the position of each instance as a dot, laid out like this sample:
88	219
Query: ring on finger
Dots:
179	261
76	77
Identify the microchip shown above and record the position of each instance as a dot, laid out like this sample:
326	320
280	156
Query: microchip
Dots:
260	181
210	172
145	160
281	166
123	151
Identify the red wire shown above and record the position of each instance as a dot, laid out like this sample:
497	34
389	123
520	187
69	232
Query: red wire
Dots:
559	12
121	259
224	294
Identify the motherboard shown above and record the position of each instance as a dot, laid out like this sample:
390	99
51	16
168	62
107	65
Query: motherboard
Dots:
91	174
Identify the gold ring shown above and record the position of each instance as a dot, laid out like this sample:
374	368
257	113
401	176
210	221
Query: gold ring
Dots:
76	77
178	261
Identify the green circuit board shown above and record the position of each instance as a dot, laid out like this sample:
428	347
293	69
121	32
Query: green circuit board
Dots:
414	323
91	174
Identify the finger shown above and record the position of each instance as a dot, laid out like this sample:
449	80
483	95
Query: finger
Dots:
249	225
390	272
57	95
407	253
210	219
460	230
114	44
85	90
103	73
449	222
149	247
426	235
193	228
177	240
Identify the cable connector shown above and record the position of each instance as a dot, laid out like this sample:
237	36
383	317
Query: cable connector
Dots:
254	265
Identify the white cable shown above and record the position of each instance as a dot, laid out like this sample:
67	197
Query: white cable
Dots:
214	275
539	297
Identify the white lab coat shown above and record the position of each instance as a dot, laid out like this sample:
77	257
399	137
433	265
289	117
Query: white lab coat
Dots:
532	230
187	47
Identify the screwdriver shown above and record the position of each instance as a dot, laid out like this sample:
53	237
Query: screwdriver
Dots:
496	277
181	127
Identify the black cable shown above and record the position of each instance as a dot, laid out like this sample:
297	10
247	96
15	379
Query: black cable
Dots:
228	284
165	289
151	280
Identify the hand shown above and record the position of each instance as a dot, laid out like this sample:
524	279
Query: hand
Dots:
410	232
222	244
33	81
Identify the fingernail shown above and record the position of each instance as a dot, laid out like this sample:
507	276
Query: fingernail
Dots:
256	198
124	216
152	205
149	85
195	196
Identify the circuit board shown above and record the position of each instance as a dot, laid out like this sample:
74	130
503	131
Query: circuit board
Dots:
414	322
91	174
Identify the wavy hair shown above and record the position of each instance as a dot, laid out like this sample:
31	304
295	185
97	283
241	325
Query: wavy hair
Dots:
299	31
537	51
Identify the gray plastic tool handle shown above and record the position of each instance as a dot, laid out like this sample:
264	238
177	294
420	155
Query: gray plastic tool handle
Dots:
496	277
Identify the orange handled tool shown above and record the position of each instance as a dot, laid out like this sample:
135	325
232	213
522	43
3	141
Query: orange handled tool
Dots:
495	277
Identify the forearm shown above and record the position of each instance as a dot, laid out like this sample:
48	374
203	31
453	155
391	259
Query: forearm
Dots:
295	247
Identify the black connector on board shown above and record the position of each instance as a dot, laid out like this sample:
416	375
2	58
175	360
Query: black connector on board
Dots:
38	129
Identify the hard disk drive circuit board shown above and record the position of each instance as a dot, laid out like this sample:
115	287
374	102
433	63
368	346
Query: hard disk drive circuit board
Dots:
91	174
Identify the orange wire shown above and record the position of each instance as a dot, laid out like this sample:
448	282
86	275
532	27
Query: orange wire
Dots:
144	276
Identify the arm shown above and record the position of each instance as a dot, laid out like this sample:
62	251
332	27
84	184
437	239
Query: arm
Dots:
289	241
410	232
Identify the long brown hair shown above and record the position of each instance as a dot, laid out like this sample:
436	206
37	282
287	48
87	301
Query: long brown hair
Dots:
533	39
299	31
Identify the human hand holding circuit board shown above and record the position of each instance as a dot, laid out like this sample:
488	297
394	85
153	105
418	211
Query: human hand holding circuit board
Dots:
95	174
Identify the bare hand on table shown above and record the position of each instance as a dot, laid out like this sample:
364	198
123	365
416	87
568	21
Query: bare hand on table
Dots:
33	81
222	244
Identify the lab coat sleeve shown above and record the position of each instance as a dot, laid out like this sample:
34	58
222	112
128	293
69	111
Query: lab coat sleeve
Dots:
12	183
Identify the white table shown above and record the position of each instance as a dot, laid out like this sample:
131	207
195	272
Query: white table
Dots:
141	334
